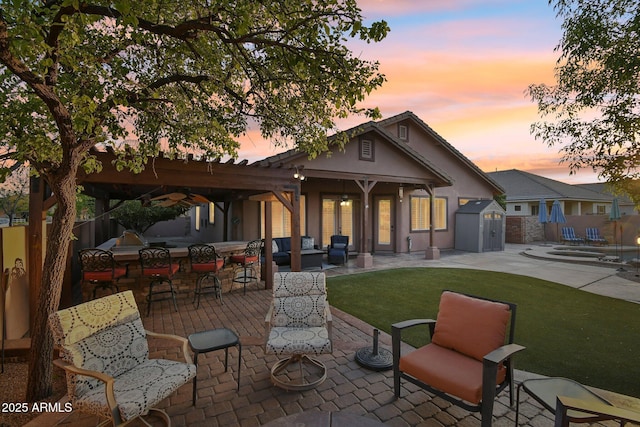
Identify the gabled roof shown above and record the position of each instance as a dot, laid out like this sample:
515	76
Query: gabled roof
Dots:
477	206
525	186
380	128
408	115
367	127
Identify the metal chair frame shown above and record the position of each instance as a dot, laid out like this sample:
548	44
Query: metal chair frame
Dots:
249	268
156	264
490	389
204	258
94	260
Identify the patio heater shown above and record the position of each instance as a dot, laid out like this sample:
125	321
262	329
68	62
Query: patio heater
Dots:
374	358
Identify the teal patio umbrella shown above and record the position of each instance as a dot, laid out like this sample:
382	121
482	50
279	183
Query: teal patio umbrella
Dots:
614	216
557	216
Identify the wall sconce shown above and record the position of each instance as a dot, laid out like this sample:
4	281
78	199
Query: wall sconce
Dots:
345	200
298	174
400	193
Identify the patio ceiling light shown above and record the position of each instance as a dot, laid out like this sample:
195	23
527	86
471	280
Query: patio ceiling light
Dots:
298	174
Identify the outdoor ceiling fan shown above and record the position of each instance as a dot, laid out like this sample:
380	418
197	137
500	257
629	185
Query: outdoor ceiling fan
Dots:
186	199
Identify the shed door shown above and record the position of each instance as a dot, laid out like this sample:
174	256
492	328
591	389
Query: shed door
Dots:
492	234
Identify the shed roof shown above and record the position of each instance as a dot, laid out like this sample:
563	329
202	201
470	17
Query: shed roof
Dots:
478	206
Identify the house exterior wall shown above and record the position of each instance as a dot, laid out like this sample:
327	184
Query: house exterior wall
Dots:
467	184
389	165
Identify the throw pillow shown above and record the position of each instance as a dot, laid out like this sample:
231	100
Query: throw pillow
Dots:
274	247
307	243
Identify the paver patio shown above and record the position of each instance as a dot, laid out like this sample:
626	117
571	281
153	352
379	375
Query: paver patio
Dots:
348	387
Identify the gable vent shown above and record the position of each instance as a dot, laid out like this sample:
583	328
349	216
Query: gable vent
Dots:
403	132
366	149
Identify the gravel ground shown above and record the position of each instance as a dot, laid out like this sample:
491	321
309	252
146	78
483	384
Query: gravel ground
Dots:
630	275
13	386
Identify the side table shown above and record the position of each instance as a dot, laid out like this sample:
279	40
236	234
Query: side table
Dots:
211	340
546	391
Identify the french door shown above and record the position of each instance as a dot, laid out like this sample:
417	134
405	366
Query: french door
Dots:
383	224
338	218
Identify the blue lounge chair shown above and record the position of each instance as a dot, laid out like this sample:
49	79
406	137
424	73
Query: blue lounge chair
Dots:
569	235
593	236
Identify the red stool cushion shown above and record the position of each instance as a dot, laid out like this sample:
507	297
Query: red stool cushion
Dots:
162	271
209	267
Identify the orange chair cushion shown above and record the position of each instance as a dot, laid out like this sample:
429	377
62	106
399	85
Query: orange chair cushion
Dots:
471	326
243	259
448	371
162	271
105	275
208	267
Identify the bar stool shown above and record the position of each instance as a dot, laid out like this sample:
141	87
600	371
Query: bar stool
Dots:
205	260
99	268
247	264
157	265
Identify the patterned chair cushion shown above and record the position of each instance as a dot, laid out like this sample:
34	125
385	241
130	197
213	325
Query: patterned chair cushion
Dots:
299	283
284	340
299	311
299	322
107	335
138	389
112	351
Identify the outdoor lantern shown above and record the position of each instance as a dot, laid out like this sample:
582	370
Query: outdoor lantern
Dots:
400	193
298	174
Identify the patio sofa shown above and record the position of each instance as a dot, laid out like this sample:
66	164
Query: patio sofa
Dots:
282	245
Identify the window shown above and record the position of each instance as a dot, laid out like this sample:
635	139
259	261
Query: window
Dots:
403	132
281	219
517	208
601	209
212	212
420	219
535	210
367	150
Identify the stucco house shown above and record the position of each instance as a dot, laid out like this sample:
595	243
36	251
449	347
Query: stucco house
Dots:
380	190
524	191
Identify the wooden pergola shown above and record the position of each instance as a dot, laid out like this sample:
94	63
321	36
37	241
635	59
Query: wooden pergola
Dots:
221	182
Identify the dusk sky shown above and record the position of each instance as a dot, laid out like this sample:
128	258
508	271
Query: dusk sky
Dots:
463	67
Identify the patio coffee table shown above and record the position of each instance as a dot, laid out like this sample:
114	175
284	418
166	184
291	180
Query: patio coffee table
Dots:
546	390
310	258
211	340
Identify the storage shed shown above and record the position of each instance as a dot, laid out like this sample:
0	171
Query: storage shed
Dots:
480	226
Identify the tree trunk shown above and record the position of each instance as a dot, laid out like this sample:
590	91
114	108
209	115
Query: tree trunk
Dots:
63	185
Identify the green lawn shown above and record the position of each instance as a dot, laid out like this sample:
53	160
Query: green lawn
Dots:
571	333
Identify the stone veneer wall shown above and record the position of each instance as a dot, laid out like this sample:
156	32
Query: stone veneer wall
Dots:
523	229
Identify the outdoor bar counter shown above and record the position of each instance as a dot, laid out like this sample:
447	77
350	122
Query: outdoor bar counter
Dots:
184	280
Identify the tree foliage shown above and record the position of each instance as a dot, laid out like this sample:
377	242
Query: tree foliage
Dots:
132	215
593	110
14	194
181	77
